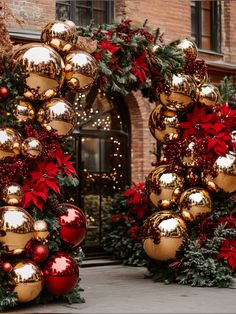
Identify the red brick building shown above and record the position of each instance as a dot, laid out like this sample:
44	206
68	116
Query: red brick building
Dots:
210	23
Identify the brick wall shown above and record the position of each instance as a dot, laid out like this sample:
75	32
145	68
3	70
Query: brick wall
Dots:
34	13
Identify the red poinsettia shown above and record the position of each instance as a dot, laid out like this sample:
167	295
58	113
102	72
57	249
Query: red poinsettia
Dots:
63	163
218	139
198	122
227	251
227	116
137	200
45	174
140	68
34	193
228	221
106	45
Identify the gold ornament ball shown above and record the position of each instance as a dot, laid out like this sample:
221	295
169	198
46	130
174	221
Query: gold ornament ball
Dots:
199	79
59	35
195	203
233	137
45	69
222	177
164	125
81	70
165	234
57	114
31	147
164	187
12	194
23	111
188	47
26	279
209	95
40	230
190	155
16	229
181	94
10	142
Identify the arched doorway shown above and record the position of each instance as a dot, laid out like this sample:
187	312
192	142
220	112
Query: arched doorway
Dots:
102	145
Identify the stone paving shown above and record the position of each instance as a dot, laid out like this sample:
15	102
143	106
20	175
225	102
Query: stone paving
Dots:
123	289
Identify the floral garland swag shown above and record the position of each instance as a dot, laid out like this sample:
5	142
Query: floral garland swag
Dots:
40	229
189	198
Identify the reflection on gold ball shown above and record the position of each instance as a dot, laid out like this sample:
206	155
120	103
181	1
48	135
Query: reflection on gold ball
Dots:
10	142
209	95
233	137
200	79
59	35
57	114
164	235
16	229
164	187
12	194
26	280
31	147
23	111
164	125
190	155
81	70
40	230
188	47
45	69
222	178
195	203
181	94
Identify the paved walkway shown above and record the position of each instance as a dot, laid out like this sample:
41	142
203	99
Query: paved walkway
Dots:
123	289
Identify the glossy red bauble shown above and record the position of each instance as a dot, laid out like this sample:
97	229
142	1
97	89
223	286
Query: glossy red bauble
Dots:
4	92
7	267
73	226
39	253
61	274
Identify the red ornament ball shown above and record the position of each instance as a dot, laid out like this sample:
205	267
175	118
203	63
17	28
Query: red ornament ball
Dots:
39	253
61	274
4	92
7	267
73	225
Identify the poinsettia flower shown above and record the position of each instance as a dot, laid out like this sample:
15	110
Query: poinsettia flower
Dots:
45	175
227	251
139	67
140	208
218	139
35	194
63	163
228	116
228	221
198	121
106	45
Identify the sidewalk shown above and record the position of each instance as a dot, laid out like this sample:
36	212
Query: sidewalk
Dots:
123	289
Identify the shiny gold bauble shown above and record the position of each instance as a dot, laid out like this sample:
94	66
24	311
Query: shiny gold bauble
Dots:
26	279
222	177
16	229
59	35
164	125
166	234
40	230
199	79
233	136
12	194
189	158
164	187
23	111
57	114
209	95
181	93
195	203
45	69
31	147
81	70
10	142
188	47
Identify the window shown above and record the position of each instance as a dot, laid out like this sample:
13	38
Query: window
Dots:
206	24
83	11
